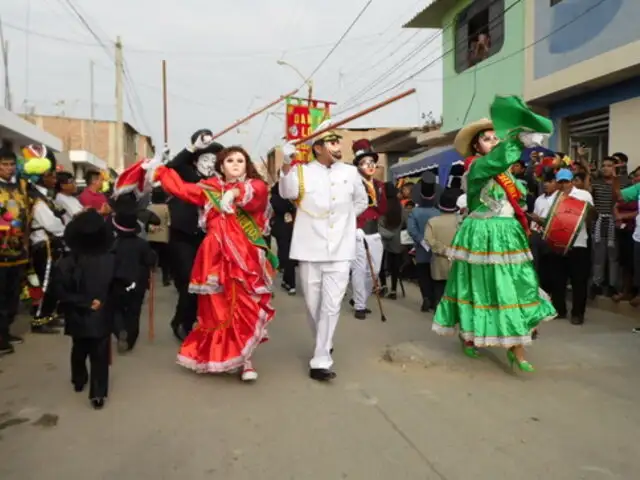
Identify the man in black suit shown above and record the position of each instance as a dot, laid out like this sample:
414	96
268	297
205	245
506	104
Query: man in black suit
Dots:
193	164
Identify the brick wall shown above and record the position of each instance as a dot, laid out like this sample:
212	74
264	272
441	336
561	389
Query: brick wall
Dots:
75	134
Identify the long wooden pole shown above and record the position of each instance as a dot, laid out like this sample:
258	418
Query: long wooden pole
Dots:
254	114
362	113
164	103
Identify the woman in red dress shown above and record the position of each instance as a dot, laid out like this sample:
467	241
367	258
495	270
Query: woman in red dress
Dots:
234	268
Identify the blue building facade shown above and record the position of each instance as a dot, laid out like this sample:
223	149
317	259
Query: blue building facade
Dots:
582	66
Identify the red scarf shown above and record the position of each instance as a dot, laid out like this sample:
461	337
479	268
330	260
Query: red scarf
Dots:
513	196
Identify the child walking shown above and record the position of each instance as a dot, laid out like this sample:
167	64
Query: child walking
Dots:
83	282
134	261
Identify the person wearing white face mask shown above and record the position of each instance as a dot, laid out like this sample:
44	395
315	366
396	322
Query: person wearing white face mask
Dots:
193	164
329	195
232	275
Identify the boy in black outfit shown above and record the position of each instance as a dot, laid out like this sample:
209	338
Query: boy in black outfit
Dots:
83	283
135	260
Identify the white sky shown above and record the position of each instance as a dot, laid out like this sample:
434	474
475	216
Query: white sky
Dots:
221	57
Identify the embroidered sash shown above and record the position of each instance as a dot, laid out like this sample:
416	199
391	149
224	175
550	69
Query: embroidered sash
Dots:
514	196
249	226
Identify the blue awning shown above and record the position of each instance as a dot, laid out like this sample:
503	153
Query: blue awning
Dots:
441	157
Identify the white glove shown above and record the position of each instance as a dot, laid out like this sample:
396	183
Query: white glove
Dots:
150	166
289	152
226	202
130	287
359	234
425	245
532	139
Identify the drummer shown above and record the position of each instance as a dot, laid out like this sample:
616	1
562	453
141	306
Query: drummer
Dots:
575	265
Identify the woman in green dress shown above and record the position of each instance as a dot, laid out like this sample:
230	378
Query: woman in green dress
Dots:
492	296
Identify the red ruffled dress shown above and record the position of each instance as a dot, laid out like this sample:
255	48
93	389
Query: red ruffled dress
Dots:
232	273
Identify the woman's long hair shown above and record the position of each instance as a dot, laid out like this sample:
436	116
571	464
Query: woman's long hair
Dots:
393	217
252	172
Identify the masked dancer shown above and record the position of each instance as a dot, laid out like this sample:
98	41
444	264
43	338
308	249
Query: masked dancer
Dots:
193	164
330	195
492	295
369	255
233	271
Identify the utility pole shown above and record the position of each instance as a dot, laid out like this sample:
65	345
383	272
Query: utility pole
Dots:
119	143
5	61
164	104
92	106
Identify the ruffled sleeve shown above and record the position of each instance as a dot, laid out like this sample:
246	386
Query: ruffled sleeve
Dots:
254	196
174	185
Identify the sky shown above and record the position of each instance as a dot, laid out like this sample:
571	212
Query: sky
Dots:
221	62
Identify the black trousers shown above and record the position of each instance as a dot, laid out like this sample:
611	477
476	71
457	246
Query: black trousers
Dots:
43	257
288	266
426	283
556	269
438	291
10	283
183	249
164	259
391	263
97	350
127	316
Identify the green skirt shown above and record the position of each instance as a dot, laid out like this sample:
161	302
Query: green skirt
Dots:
492	296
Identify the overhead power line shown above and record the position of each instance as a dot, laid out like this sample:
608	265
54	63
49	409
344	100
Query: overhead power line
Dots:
209	53
394	69
337	44
481	66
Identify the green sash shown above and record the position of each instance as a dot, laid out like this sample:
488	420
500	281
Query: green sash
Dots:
248	224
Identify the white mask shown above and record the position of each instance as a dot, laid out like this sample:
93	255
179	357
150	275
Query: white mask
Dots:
206	165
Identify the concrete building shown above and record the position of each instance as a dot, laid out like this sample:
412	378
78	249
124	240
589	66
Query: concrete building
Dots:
349	135
97	137
16	132
483	53
483	56
584	68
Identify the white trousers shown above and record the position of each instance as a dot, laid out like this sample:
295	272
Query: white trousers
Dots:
361	280
323	285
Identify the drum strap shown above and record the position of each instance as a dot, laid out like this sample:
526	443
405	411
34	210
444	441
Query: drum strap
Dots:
513	196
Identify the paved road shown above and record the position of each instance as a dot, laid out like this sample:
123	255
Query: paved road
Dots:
406	405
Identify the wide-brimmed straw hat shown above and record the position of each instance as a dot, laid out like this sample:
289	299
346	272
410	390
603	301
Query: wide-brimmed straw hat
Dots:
462	142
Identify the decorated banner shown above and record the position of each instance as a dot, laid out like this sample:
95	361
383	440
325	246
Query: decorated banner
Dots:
302	118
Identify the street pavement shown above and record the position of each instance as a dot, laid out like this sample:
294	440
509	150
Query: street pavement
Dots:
406	405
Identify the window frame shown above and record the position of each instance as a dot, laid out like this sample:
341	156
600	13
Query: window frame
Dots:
461	33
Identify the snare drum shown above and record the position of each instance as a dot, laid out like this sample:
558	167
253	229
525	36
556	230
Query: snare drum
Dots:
566	217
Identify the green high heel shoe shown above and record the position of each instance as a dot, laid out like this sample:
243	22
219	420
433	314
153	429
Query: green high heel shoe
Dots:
469	351
524	366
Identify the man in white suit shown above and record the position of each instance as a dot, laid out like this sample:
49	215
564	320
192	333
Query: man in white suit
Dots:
329	195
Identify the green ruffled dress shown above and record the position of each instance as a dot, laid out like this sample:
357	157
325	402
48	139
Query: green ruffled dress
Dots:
492	297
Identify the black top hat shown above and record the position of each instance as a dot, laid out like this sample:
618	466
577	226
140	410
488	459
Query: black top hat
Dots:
425	192
88	233
213	147
126	222
448	199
